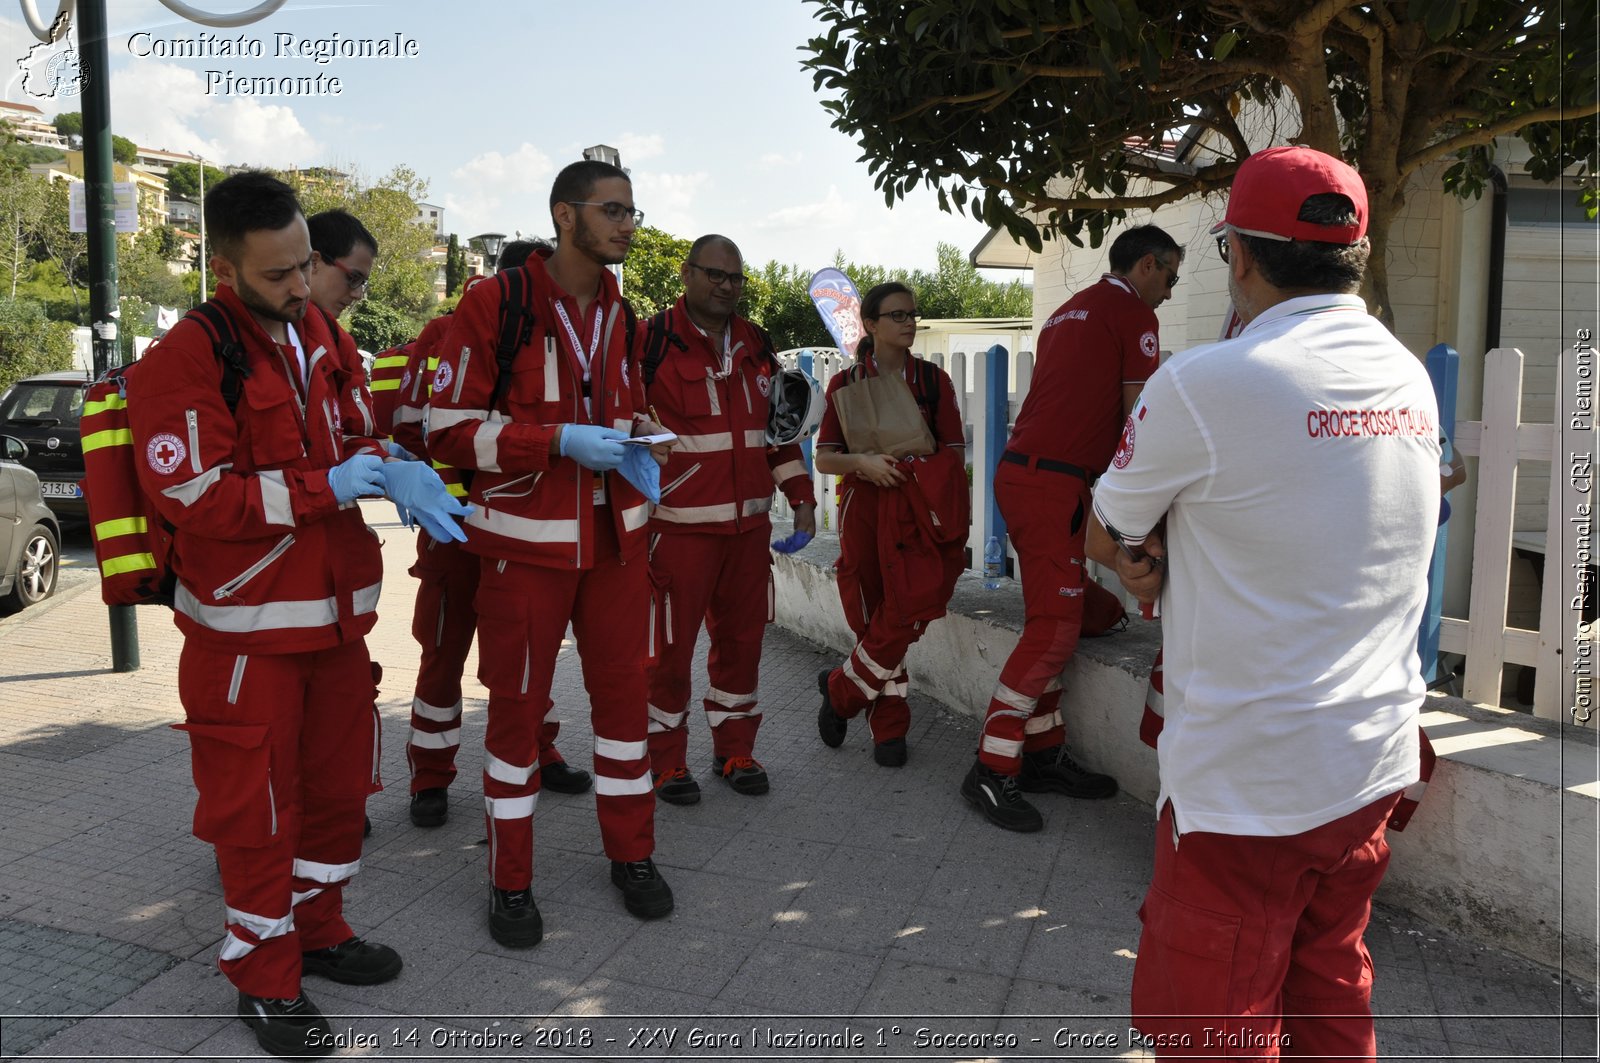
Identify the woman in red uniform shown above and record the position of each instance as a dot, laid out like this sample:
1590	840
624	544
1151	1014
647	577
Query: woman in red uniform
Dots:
889	595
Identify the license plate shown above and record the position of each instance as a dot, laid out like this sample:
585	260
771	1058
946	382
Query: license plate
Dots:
50	490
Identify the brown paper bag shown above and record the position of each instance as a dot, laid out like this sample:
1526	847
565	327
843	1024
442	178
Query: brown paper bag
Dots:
879	415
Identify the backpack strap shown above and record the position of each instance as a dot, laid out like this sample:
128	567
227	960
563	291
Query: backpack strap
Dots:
516	327
658	333
226	346
928	377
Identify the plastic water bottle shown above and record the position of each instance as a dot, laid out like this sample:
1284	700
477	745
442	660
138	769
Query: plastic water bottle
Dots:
994	564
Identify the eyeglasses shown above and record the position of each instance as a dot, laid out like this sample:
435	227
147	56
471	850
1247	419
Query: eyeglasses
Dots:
1172	274
719	277
1222	246
356	281
615	212
899	317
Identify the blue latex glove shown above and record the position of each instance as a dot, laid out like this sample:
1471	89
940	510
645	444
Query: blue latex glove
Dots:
357	477
790	543
420	491
397	451
640	469
593	446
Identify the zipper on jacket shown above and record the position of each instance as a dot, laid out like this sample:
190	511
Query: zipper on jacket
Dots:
674	485
193	420
504	489
461	374
228	589
327	421
366	414
272	804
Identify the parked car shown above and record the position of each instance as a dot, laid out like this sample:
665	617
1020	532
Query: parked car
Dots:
30	535
43	412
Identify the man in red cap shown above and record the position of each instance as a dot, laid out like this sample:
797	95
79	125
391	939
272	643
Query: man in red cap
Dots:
1095	353
1296	467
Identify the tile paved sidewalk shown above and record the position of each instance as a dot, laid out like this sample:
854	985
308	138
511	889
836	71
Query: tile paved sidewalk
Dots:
850	901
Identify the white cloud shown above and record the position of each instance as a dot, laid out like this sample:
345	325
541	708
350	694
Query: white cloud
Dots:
669	200
831	212
774	160
501	192
159	105
636	146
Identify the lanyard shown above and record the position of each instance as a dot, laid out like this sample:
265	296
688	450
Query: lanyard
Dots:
727	349
572	335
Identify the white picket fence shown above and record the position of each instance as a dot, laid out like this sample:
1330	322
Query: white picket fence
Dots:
1563	648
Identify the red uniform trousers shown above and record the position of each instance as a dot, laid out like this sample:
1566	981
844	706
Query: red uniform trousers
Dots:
284	749
725	580
1046	517
523	612
873	678
443	624
1252	945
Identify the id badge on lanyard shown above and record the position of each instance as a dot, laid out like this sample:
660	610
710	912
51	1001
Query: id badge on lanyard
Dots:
585	359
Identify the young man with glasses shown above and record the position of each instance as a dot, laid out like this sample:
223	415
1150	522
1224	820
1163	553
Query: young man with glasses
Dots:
709	556
1094	354
560	533
1296	547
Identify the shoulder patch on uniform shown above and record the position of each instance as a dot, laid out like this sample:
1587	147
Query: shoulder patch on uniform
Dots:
1124	452
165	452
1148	345
625	373
405	380
442	377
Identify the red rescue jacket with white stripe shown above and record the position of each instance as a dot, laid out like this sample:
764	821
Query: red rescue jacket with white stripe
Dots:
531	504
416	391
267	560
720	475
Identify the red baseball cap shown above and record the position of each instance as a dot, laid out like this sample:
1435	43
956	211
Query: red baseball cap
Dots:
1272	185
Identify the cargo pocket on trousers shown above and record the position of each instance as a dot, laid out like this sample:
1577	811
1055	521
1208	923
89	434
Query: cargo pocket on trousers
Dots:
504	660
1196	951
233	773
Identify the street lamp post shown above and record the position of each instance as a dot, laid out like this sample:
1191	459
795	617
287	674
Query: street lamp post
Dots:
491	244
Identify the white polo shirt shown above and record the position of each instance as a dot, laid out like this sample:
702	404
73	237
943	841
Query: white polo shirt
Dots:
1298	466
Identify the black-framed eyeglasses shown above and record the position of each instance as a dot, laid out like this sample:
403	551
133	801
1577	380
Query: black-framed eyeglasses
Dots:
615	212
356	281
899	317
1222	246
1171	272
719	277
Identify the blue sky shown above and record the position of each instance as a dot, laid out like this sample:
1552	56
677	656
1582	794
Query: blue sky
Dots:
705	99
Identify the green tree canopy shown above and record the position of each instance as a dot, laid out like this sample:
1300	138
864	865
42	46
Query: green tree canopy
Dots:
124	150
29	344
69	123
650	276
1008	108
183	180
378	326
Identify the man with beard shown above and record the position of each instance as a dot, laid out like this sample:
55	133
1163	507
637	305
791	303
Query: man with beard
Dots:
539	408
278	582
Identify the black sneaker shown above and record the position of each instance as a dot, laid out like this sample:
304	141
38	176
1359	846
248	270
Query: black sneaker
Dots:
353	962
1054	771
744	774
677	787
891	752
514	920
430	807
291	1028
563	778
997	798
830	725
644	892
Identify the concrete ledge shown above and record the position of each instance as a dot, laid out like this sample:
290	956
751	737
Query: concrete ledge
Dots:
1503	848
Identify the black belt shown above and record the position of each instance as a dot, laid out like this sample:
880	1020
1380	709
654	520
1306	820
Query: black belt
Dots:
1047	464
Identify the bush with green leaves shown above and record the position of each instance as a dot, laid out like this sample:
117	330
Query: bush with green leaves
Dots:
29	343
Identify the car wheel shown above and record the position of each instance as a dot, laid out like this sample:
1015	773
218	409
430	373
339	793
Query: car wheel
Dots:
36	572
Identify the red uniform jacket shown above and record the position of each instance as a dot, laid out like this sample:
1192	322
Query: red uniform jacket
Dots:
267	560
531	504
416	391
922	535
720	476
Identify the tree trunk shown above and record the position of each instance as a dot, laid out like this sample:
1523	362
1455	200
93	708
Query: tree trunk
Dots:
1381	213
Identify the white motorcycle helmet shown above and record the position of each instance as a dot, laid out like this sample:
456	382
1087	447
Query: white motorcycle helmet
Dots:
797	406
